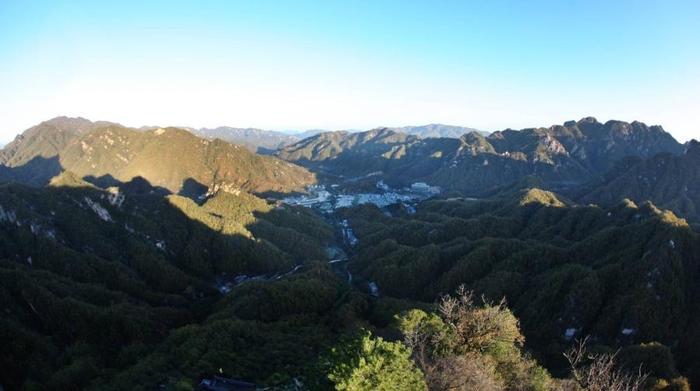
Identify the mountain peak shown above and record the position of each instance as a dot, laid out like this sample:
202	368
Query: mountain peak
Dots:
540	197
693	148
588	120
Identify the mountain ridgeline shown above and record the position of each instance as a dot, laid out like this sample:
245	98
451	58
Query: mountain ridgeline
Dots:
268	141
437	131
162	257
670	181
475	164
257	140
171	158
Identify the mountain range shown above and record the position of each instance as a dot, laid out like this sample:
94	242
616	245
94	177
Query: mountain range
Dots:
268	141
561	155
164	258
257	140
587	160
172	158
437	130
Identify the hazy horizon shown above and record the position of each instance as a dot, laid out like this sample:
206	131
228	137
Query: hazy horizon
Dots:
304	65
300	131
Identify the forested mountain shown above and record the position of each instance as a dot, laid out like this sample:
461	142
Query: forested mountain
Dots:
437	130
117	289
348	153
624	275
268	141
143	259
474	164
672	182
257	140
168	157
46	139
90	278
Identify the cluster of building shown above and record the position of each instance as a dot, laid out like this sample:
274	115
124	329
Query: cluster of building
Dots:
320	197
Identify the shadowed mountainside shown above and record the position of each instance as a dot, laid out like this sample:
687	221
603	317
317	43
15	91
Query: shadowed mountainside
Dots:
474	164
164	156
91	279
670	181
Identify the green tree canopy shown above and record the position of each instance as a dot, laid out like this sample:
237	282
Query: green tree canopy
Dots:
369	363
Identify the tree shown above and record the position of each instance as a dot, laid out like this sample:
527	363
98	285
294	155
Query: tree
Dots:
368	363
470	347
599	372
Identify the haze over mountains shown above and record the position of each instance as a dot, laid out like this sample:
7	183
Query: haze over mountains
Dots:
257	140
437	130
267	141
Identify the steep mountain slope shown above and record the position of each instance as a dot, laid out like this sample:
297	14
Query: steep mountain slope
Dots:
672	182
257	140
623	275
437	130
346	153
46	140
113	289
110	281
92	279
601	145
171	158
475	164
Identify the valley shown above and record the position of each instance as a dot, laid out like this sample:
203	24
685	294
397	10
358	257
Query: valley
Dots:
349	195
125	266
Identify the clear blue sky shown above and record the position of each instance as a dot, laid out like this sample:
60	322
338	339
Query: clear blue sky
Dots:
350	64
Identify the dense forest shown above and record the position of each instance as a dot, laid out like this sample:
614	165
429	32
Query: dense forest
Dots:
118	289
92	278
167	281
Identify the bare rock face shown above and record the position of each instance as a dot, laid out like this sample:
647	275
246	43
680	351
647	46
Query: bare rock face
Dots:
569	154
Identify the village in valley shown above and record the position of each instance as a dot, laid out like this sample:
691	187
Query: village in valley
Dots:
329	198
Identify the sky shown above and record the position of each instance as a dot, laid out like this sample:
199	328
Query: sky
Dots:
356	64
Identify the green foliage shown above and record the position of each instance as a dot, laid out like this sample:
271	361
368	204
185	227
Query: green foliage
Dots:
84	298
128	302
568	268
370	363
466	346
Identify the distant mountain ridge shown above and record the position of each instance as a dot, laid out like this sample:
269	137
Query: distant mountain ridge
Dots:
475	164
257	140
267	141
437	130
